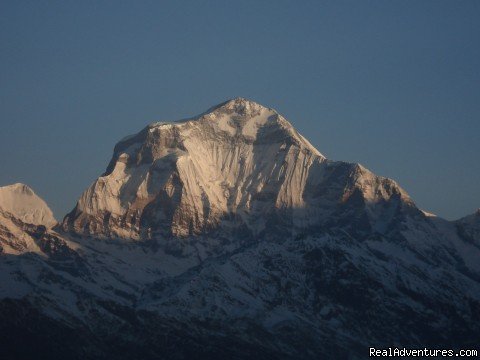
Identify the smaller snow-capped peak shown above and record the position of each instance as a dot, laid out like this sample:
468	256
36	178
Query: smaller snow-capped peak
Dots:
18	188
241	106
21	202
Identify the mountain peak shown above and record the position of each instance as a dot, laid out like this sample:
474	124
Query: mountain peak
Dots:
254	120
241	106
19	188
238	165
193	175
237	118
237	107
20	201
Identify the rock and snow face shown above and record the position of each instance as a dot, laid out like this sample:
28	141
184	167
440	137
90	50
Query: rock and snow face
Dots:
21	202
229	236
238	166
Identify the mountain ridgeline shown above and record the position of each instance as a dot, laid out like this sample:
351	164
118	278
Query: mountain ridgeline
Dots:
228	235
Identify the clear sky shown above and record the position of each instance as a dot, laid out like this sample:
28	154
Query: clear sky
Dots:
394	85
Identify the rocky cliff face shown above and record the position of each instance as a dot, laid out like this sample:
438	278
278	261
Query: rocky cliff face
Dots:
229	236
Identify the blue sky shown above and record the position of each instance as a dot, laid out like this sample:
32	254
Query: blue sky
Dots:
394	85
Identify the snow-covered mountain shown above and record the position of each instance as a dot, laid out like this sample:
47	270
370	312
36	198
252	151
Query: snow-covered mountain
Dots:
186	178
228	235
19	201
239	167
21	208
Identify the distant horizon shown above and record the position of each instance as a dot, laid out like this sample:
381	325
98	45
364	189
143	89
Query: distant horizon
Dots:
394	86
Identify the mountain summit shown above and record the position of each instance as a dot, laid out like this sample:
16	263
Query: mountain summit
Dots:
239	166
